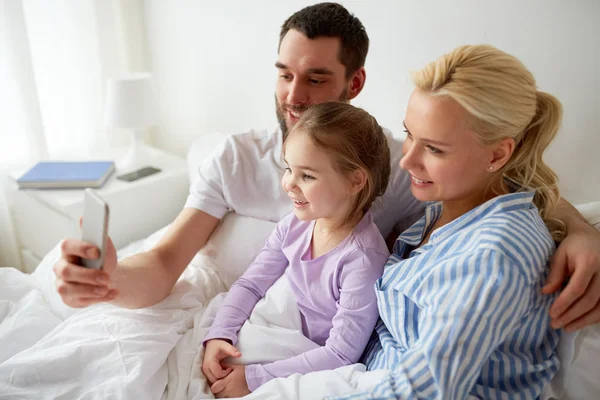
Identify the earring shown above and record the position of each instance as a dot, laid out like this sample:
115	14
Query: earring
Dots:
491	168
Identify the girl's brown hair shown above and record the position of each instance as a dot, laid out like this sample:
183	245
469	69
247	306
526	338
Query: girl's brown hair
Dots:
355	141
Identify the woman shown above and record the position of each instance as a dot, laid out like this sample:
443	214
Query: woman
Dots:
460	299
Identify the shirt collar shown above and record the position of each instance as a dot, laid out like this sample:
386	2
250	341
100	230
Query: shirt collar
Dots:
500	204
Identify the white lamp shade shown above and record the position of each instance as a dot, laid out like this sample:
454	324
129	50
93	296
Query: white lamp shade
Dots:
130	102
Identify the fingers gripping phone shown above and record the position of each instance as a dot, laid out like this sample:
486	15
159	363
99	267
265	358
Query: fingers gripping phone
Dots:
94	227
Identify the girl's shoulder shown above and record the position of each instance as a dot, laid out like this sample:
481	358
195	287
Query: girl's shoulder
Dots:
292	224
366	237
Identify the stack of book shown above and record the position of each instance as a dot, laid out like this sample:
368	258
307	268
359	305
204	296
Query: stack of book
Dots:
67	175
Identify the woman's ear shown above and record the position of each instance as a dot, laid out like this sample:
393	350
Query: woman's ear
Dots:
358	180
501	153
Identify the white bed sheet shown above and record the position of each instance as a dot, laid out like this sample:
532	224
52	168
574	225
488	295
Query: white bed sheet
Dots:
97	352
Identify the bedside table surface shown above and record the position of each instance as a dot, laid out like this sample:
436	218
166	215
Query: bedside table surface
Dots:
70	200
136	209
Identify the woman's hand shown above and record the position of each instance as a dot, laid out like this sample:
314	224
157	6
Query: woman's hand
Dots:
217	350
233	385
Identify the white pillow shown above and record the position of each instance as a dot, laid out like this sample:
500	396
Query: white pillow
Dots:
235	244
591	212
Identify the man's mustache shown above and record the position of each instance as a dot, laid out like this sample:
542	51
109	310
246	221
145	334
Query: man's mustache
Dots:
298	108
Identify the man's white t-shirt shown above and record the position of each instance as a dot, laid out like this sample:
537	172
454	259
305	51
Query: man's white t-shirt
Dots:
244	173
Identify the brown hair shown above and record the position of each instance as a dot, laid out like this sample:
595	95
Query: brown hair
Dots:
332	20
355	141
501	97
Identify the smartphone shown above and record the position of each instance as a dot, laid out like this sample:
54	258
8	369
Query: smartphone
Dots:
138	174
94	228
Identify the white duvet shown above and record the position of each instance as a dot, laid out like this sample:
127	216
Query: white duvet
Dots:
49	350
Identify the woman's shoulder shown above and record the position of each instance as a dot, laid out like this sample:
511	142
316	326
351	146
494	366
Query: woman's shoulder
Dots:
518	234
510	218
523	224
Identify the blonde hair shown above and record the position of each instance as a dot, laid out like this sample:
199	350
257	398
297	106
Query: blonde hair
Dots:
354	140
501	97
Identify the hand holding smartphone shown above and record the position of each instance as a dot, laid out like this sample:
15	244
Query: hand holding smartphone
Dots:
94	227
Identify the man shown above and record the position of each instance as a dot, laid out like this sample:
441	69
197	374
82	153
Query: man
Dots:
322	52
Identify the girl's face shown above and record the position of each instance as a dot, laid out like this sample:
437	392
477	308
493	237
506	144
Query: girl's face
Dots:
316	188
444	158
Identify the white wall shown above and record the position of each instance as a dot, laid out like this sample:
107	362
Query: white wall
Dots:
213	63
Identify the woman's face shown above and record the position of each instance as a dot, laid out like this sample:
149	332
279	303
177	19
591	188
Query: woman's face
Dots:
444	158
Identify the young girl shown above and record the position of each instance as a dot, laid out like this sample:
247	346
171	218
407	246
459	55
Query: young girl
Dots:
338	162
461	306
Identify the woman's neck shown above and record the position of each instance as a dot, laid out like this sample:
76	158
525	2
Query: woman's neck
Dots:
453	209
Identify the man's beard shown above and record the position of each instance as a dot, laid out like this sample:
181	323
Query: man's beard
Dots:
281	110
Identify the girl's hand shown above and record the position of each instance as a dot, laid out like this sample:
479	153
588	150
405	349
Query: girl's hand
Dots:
233	385
217	350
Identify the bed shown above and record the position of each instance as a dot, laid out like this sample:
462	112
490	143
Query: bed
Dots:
52	351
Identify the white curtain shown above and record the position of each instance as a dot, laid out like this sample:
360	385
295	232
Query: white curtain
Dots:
55	57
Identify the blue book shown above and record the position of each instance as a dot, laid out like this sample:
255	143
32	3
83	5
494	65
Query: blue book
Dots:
67	175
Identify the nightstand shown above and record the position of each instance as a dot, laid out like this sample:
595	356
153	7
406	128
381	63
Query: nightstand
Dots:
42	218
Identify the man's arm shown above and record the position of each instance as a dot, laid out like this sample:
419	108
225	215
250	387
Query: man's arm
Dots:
147	278
141	280
578	259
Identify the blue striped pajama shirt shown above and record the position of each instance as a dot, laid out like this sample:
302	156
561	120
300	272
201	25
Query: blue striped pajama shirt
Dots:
463	314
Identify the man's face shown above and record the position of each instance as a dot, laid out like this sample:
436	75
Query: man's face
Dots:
309	73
